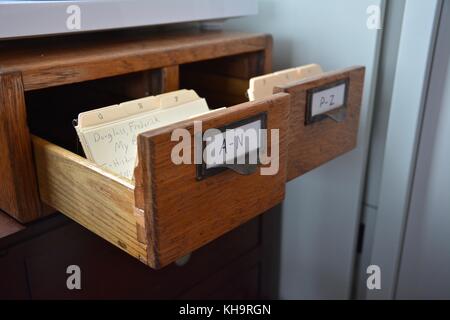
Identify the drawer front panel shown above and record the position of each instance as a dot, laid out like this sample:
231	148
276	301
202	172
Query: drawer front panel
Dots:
182	213
315	140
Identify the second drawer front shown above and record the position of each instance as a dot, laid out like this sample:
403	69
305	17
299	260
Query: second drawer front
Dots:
314	141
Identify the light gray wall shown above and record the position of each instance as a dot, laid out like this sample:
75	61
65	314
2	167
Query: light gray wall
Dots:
322	209
425	264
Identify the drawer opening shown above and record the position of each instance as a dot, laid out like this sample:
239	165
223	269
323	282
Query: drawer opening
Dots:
51	111
224	81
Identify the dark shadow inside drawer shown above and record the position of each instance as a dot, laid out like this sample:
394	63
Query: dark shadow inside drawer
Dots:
223	82
51	111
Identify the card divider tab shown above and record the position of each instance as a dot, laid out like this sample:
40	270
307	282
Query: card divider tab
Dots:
262	86
114	113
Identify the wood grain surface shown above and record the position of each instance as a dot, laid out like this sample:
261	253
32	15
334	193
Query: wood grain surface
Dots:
19	195
313	145
96	199
183	214
64	60
170	78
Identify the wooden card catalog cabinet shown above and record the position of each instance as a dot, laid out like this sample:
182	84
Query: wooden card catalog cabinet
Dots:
324	118
170	209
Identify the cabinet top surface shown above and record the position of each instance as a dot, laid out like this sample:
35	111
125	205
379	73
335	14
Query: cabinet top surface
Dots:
77	58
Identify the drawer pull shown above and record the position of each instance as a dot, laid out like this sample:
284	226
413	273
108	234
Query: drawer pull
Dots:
338	115
234	136
242	169
327	101
183	260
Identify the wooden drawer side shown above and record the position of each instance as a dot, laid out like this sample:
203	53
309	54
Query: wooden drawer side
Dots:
94	198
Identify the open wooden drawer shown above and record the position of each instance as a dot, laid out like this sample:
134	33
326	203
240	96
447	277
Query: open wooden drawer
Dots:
168	212
321	135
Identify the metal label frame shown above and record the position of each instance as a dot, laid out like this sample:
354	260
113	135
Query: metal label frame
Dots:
309	118
203	172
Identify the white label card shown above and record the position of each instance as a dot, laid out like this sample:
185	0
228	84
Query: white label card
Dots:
234	146
327	100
